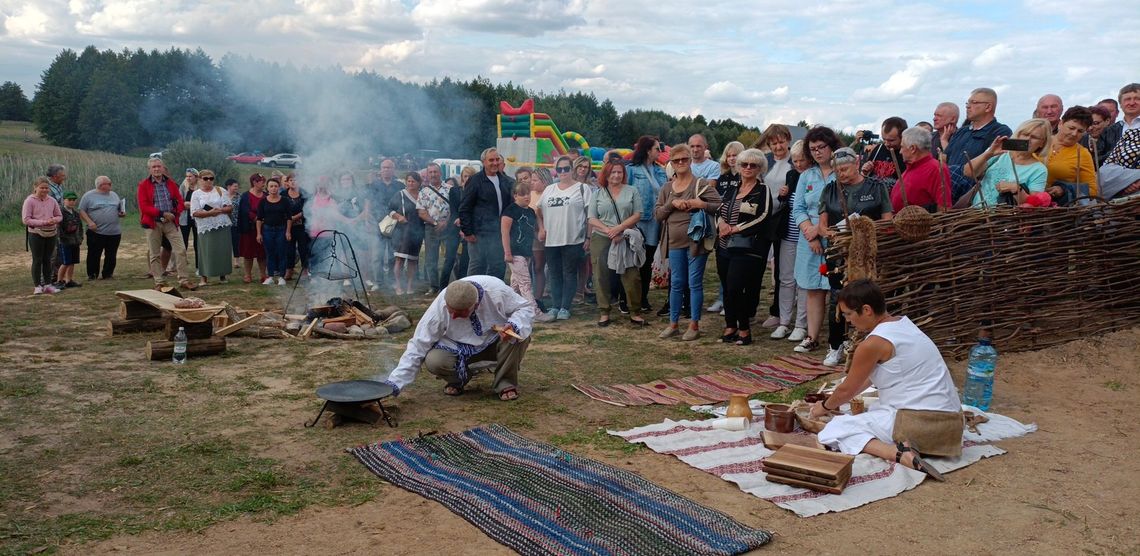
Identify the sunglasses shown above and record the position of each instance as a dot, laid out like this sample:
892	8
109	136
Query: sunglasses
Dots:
208	178
562	169
684	160
751	165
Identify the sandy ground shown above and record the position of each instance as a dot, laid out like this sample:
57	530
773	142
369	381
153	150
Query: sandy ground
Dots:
1072	487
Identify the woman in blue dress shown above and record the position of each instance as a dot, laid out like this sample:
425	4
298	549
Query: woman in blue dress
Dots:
821	143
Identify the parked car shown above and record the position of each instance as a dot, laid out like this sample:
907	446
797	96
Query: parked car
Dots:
283	159
246	158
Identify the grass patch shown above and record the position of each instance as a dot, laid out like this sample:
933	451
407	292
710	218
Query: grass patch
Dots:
597	438
1114	385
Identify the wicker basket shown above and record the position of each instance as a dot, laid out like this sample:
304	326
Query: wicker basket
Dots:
912	223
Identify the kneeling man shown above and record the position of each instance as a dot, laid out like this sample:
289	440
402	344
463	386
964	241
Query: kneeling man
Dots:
475	319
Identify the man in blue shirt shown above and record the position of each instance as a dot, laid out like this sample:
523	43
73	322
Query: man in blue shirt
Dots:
703	166
970	140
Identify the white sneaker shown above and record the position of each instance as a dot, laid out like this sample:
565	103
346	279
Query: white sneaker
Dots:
347	283
797	335
369	283
716	307
779	333
38	291
280	281
50	289
545	317
268	281
373	288
833	357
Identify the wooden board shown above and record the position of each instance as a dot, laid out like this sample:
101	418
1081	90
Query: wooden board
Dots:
775	440
226	331
810	461
839	482
165	303
805	484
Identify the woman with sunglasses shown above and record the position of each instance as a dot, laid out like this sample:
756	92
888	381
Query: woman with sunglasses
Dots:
811	267
248	246
682	196
211	210
999	181
647	177
745	233
562	227
729	179
864	195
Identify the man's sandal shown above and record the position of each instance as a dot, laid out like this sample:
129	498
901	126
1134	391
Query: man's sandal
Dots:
453	390
509	395
917	463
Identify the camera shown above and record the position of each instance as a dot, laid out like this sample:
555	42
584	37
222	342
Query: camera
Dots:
869	135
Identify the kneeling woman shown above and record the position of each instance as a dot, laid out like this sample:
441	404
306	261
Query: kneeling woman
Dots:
918	408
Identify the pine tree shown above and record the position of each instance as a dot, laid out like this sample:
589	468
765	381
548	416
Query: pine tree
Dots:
14	105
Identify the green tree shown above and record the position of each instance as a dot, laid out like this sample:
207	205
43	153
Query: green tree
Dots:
14	105
108	114
55	108
195	153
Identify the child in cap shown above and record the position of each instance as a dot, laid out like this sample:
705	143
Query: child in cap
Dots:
70	237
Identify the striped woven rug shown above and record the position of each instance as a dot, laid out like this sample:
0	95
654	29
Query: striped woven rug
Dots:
784	372
536	499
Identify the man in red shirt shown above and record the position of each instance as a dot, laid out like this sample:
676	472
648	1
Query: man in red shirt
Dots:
159	206
926	180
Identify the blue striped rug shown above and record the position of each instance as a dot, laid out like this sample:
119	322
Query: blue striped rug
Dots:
538	499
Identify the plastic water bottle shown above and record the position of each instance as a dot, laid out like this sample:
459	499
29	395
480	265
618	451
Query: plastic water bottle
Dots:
180	346
979	388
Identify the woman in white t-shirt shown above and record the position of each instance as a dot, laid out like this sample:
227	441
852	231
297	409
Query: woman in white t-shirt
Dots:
210	208
918	406
562	229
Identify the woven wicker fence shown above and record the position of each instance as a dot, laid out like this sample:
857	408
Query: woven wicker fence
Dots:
1041	276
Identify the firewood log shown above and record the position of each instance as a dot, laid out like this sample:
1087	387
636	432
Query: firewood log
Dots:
159	350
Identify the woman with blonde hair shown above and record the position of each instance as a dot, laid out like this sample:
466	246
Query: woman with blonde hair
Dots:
1007	176
42	215
729	179
682	197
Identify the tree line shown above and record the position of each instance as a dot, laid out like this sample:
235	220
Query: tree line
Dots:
134	99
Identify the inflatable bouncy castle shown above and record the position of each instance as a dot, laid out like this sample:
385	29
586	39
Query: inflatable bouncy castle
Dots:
529	138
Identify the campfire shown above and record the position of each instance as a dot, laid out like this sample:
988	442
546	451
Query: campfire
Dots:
339	318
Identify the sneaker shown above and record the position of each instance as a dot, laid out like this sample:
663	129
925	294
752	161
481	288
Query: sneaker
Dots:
370	284
347	283
38	291
797	335
280	281
564	314
772	322
72	284
779	333
833	357
809	344
691	335
374	288
267	281
548	316
59	286
722	312
663	311
646	308
669	332
623	307
716	307
50	289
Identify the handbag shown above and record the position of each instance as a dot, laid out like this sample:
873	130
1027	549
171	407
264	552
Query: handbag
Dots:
387	225
1074	192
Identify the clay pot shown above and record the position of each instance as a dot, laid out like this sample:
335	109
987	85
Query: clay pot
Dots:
738	407
779	418
812	398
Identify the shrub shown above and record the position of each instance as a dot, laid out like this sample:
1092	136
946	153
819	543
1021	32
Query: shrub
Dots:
195	153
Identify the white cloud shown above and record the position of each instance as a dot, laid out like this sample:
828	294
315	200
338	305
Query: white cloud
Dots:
528	18
902	82
731	93
390	54
993	56
26	22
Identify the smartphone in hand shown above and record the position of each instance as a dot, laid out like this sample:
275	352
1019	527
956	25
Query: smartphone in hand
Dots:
1015	144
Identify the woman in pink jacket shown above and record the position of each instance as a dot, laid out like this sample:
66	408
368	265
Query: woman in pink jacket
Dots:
42	216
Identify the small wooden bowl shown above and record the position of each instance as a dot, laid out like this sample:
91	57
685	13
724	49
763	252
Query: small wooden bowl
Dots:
813	398
807	423
779	418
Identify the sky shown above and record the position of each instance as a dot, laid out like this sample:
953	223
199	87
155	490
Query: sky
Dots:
846	64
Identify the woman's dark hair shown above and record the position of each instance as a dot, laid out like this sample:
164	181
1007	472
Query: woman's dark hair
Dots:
641	149
1078	113
273	180
1100	111
858	293
350	176
414	176
825	135
255	178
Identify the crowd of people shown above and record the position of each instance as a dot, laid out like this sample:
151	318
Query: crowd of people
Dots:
572	237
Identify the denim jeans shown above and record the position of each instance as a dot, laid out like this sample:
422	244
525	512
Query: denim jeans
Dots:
273	237
685	268
563	262
487	255
430	265
450	241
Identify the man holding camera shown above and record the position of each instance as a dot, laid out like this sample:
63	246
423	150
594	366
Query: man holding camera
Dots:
884	161
159	206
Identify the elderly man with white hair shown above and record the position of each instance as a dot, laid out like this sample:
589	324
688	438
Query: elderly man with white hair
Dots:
926	181
1049	108
474	319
